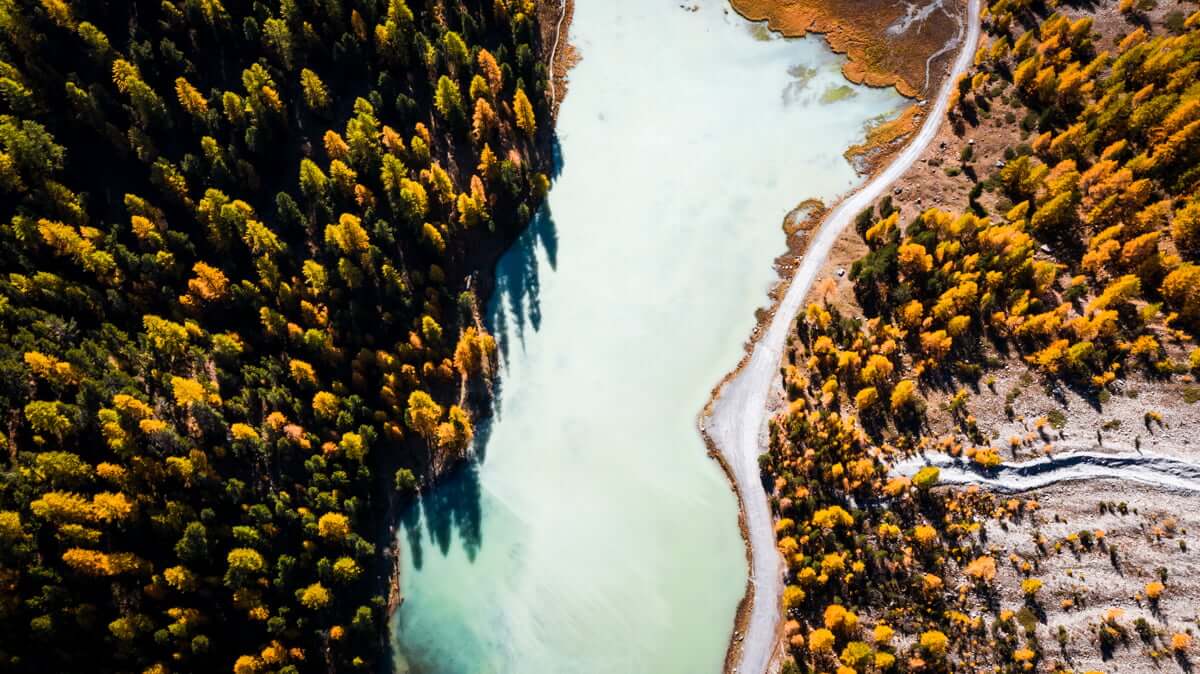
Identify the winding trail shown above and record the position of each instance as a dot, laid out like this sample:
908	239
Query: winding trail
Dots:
554	52
736	419
1157	470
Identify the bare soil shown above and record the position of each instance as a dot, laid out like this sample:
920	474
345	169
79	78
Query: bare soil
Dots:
1159	531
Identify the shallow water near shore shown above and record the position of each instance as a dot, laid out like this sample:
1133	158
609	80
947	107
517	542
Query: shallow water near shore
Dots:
594	535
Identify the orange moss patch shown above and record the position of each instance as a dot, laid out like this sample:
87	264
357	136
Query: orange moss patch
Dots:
884	139
860	30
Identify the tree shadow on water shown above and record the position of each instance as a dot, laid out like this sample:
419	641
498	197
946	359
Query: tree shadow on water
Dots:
453	506
517	293
517	298
410	522
556	162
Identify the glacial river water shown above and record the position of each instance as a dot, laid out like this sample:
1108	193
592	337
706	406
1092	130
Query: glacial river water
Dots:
594	535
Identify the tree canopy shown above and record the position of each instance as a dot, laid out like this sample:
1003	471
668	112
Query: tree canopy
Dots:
234	309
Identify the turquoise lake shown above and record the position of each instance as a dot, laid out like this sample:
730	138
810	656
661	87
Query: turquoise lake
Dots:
594	535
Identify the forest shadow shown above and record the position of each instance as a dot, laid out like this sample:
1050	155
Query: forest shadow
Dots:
518	284
451	508
517	297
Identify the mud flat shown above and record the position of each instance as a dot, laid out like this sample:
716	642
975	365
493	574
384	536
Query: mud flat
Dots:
887	42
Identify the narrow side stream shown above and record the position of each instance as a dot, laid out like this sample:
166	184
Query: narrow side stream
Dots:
595	535
1164	472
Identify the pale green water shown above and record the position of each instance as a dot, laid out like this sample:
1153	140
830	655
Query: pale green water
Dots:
596	536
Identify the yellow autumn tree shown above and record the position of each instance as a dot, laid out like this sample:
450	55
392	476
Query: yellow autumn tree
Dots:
302	372
1185	228
866	398
914	259
190	98
490	70
315	597
422	414
934	642
1181	288
210	284
523	110
325	404
186	391
904	395
333	527
981	569
821	640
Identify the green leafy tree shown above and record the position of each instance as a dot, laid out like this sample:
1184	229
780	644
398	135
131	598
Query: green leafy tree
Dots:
448	99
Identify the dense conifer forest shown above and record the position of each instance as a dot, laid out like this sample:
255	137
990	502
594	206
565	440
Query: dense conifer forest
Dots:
235	319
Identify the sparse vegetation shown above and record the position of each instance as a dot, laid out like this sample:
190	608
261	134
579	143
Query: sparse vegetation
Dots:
1084	277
